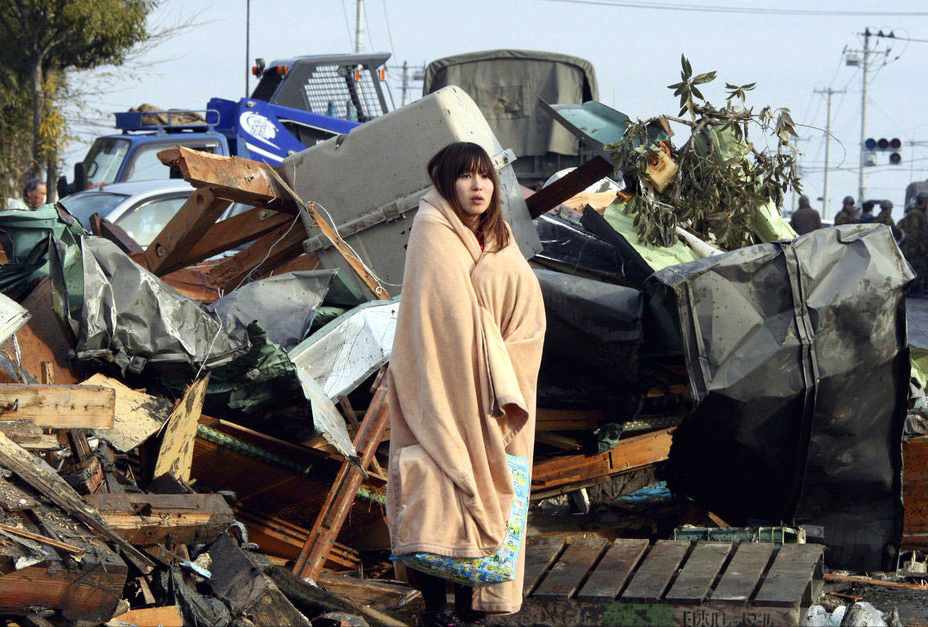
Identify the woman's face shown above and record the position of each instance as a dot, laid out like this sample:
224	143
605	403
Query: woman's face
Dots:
473	191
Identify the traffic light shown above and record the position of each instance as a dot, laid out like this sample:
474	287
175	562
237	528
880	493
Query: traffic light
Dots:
892	146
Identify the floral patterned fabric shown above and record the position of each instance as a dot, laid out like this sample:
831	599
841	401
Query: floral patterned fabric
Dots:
492	569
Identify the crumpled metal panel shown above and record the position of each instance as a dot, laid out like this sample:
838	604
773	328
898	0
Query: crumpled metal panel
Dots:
283	305
132	317
343	353
797	355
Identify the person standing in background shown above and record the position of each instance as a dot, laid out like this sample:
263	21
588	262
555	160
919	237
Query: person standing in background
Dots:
914	243
886	217
805	219
34	193
866	212
847	215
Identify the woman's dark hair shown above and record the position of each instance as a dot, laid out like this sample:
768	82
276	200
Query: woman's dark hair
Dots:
456	160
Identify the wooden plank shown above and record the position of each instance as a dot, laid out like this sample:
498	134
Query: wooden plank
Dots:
331	233
568	419
560	473
146	519
137	414
790	579
43	478
655	572
915	490
166	616
566	576
540	554
344	491
279	246
171	247
614	570
744	571
232	178
567	186
58	406
175	455
693	583
235	231
16	531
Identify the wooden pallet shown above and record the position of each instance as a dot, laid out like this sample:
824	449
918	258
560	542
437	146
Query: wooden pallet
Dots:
679	583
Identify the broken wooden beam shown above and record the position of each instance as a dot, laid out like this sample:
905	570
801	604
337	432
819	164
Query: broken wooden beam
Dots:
566	187
58	406
75	573
572	472
232	178
276	247
170	248
311	599
345	489
233	232
147	519
43	478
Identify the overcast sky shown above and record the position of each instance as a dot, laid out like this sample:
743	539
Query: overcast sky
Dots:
635	47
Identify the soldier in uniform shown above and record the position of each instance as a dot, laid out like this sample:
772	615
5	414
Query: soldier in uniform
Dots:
847	215
915	240
886	217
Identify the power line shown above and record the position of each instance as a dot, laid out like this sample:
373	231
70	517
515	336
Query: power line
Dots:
386	18
665	6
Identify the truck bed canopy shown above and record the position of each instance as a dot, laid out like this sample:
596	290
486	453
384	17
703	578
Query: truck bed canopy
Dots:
506	85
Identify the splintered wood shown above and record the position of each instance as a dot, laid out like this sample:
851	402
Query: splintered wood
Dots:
175	457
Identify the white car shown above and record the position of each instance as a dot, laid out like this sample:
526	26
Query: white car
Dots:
141	208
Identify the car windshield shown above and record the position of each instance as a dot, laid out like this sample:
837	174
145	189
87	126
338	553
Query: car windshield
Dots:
104	159
82	206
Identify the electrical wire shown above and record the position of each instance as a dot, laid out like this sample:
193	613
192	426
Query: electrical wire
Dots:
386	18
666	6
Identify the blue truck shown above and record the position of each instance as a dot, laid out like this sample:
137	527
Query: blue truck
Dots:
296	103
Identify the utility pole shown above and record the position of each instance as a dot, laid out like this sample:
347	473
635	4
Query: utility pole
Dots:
862	176
359	27
828	94
247	44
405	81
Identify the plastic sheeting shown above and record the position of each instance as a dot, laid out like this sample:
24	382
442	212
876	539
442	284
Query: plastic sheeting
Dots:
283	305
797	356
590	356
571	248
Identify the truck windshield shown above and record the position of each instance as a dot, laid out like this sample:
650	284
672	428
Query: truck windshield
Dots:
104	159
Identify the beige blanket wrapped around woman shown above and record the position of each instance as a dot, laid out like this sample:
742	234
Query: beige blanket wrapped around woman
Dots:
462	381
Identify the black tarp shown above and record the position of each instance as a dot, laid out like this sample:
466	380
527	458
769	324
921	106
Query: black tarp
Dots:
590	356
797	357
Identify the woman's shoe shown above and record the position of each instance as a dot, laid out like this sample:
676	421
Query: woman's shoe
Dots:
445	618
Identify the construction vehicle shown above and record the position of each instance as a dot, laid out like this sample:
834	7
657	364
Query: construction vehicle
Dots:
296	103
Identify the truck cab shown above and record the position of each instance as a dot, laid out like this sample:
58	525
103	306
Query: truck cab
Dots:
298	102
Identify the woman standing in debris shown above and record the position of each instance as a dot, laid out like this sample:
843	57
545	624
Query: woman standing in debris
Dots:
462	381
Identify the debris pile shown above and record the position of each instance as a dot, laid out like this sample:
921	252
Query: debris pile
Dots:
195	433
